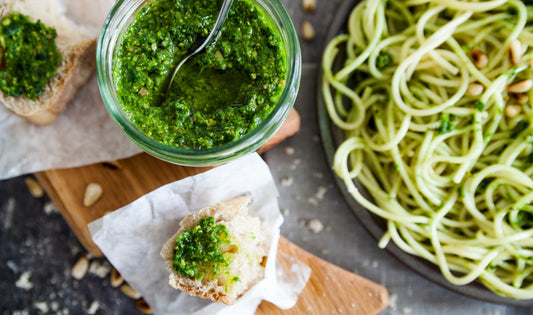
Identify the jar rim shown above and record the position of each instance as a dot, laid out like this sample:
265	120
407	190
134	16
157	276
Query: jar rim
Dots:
120	16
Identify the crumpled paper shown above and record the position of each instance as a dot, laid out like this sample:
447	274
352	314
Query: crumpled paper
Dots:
83	134
132	237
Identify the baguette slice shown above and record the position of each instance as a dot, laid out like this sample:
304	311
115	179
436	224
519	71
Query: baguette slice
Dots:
78	51
247	262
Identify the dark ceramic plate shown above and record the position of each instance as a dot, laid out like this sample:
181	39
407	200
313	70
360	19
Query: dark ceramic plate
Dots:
332	137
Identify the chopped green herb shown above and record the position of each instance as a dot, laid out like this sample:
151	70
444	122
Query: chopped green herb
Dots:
518	128
383	60
197	250
445	124
30	57
480	105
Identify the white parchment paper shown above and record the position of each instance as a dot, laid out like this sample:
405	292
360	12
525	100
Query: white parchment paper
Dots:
83	134
132	237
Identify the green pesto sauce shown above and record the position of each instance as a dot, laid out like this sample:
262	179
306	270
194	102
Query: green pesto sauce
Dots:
29	56
197	253
220	94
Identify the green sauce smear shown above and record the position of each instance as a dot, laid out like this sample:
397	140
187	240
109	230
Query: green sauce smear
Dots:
219	95
29	56
197	253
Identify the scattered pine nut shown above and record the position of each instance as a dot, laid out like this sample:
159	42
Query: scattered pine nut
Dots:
308	31
520	86
116	278
34	187
513	110
93	192
129	291
143	306
479	58
475	89
309	5
521	98
515	51
80	268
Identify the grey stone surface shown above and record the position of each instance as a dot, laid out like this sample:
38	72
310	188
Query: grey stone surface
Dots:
40	242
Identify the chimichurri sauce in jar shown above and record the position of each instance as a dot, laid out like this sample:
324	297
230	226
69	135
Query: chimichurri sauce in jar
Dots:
218	95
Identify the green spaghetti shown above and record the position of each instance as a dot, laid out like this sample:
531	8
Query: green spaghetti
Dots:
436	103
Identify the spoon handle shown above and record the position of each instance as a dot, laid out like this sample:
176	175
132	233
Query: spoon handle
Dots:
222	15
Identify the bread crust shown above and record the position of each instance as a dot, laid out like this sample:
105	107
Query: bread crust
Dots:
76	67
222	212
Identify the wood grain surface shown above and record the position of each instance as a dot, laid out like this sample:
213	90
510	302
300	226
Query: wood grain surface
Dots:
330	289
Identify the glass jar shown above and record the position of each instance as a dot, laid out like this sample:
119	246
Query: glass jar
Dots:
119	19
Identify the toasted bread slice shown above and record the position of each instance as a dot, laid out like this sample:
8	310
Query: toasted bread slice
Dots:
78	51
248	260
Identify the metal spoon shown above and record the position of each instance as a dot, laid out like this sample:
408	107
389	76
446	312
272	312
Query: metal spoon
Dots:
222	15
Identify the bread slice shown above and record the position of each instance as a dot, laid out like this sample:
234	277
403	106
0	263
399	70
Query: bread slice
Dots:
78	51
248	260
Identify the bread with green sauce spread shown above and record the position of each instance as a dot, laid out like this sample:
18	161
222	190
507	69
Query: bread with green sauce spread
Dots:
78	62
241	260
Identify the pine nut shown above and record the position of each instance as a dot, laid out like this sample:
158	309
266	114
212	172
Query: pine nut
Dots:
520	86
93	192
308	31
513	110
309	5
129	291
116	278
143	306
80	268
479	58
34	187
521	98
475	89
515	51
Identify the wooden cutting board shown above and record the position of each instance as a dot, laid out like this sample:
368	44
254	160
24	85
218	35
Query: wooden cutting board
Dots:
330	290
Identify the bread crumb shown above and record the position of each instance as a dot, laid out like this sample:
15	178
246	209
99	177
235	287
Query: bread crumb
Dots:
54	306
95	305
393	299
315	226
407	310
10	209
289	150
321	192
285	212
375	263
318	175
295	164
50	208
100	269
41	306
12	265
313	201
287	181
24	281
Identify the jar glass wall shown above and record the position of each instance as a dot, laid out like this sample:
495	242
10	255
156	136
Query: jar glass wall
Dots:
119	19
